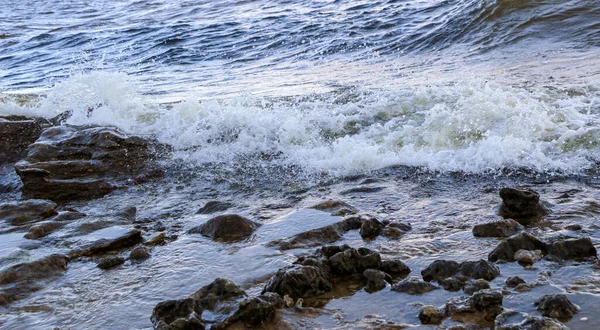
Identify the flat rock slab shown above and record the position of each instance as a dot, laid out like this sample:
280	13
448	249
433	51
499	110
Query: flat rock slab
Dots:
131	238
28	211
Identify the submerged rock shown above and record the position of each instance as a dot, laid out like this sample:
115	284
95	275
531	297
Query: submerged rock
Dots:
21	280
430	315
475	286
534	323
522	205
479	309
414	286
219	291
110	262
27	211
226	228
140	253
507	248
43	229
335	207
214	206
131	238
577	248
557	306
376	280
82	162
501	228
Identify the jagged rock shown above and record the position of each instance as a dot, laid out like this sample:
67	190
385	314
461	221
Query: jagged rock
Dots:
299	281
81	162
396	268
440	270
522	205
481	269
16	134
110	262
577	248
370	228
430	315
219	291
501	228
254	312
475	286
176	314
527	257
27	211
131	238
452	284
214	206
512	282
507	248
354	261
557	306
480	309
226	228
376	280
335	207
20	280
414	286
139	253
534	323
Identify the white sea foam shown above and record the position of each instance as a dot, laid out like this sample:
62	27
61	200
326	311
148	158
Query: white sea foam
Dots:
470	126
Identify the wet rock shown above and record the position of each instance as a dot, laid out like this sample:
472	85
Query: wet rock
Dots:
370	228
131	238
77	162
523	288
140	253
392	232
299	281
414	286
557	306
573	227
481	269
578	248
507	248
396	268
110	262
335	207
522	205
176	314
21	280
156	240
475	286
288	301
214	206
534	323
430	315
354	261
501	228
403	226
376	280
28	211
219	291
440	270
452	284
527	257
254	312
513	281
43	229
226	228
16	134
311	238
480	309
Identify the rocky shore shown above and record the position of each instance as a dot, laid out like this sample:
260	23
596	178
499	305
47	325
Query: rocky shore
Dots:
64	187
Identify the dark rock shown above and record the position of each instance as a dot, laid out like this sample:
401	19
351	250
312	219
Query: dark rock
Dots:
21	280
577	248
299	281
176	314
512	282
391	232
440	270
501	228
219	291
399	225
335	207
254	312
15	136
557	306
110	262
76	162
522	205
573	227
361	190
480	269
535	323
43	229
156	240
452	284
370	228
28	211
507	248
132	238
475	286
214	206
376	280
396	268
413	286
523	287
354	261
480	309
226	228
527	257
430	315
140	253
